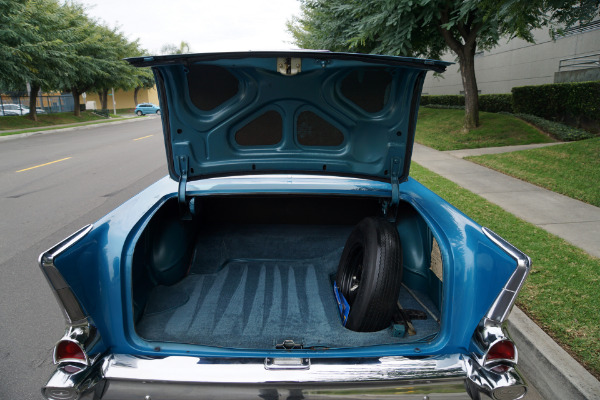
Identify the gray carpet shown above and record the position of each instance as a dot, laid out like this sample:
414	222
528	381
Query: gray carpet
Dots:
256	302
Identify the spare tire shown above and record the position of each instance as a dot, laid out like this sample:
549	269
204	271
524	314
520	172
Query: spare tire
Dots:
370	273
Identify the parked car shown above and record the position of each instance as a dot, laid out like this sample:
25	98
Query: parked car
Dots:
14	109
288	254
147	108
9	113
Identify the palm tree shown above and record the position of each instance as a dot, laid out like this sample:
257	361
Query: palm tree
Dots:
170	48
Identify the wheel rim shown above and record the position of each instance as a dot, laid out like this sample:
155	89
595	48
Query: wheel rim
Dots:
353	277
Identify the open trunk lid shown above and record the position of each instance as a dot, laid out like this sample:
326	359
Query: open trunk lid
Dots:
298	111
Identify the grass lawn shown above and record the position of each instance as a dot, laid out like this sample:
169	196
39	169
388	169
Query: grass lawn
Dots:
561	293
572	169
22	122
442	130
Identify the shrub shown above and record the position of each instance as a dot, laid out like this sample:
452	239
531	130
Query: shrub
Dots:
487	102
559	131
444	107
443	100
572	102
104	113
496	102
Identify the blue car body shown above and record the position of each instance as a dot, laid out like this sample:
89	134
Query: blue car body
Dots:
364	153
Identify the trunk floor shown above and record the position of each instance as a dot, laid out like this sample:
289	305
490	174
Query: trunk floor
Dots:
257	303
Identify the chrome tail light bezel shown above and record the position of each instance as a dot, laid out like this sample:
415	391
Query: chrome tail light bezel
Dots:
85	336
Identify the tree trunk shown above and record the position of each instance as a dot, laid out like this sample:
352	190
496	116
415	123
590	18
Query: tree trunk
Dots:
103	94
467	73
464	46
135	94
101	100
76	108
33	102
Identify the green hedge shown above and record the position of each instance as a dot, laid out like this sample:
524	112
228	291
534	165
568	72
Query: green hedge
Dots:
571	102
444	100
496	102
487	102
559	131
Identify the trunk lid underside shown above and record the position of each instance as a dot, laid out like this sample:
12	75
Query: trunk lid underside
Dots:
272	112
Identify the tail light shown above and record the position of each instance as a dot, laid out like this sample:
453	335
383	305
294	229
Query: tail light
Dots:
501	356
502	350
69	351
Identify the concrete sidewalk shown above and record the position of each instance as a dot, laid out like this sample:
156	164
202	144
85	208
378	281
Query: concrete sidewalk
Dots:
572	220
554	373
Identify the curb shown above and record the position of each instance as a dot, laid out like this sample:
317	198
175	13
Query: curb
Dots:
67	129
555	373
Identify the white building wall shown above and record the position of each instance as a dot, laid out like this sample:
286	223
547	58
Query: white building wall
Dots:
516	63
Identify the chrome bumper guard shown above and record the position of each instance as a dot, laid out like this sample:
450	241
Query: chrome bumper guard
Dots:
126	377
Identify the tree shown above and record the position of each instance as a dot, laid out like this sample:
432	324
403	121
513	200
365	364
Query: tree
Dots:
13	29
118	73
46	52
32	45
53	45
428	28
96	55
145	79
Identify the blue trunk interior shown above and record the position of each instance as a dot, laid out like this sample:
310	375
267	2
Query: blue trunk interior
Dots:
246	284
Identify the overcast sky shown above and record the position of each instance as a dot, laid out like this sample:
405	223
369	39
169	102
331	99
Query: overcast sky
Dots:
215	25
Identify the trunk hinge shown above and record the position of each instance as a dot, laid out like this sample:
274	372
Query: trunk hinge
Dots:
390	207
184	208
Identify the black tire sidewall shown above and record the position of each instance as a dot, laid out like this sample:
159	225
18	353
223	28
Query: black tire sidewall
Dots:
375	300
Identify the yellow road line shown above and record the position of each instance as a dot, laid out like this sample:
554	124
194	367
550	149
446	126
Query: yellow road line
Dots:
140	138
43	165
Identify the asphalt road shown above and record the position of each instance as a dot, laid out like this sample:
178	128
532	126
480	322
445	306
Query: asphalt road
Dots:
88	172
50	186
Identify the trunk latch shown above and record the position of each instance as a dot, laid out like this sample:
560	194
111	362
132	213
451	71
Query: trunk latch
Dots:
288	344
289	66
287	362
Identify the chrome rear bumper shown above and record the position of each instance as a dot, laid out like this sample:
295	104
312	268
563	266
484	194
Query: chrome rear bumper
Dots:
127	377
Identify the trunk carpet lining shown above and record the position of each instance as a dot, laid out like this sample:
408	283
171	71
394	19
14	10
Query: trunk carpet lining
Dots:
256	302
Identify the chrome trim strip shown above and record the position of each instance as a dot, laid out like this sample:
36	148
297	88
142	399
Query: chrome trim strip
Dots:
62	291
503	304
48	256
